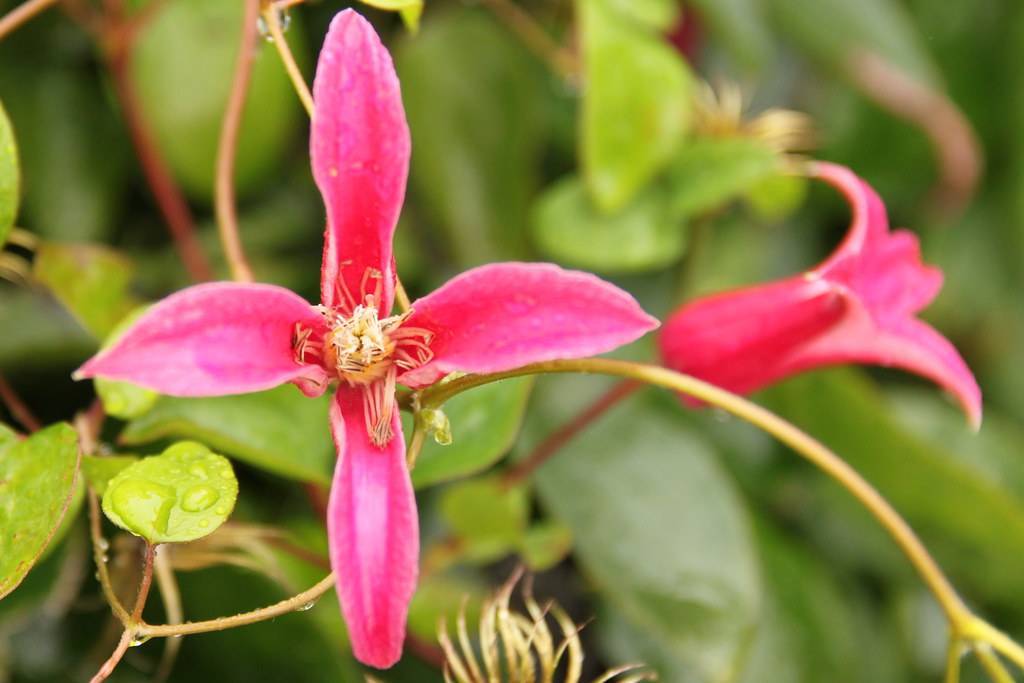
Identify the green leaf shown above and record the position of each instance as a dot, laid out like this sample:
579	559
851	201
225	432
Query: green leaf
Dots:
37	483
280	430
775	197
73	168
91	281
484	424
10	176
123	399
659	15
442	596
38	332
182	494
636	104
545	545
971	520
99	470
714	171
641	236
473	96
488	519
409	10
182	68
658	528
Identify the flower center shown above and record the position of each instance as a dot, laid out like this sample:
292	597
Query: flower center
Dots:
359	345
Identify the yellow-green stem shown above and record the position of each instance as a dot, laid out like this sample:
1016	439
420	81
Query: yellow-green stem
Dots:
273	22
811	449
22	13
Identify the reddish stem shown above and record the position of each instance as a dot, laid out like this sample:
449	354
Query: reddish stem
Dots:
129	631
17	407
119	36
522	470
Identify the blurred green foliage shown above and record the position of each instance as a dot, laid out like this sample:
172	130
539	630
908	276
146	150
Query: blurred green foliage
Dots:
697	544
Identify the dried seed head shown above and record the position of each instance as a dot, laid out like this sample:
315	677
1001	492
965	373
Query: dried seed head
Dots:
719	113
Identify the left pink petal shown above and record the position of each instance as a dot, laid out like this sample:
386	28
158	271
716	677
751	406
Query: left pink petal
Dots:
210	340
373	532
505	315
359	145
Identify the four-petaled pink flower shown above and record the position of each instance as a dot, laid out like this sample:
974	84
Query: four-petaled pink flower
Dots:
856	307
225	338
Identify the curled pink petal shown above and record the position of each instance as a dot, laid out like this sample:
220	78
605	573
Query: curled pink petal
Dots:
210	340
359	145
373	532
858	306
501	316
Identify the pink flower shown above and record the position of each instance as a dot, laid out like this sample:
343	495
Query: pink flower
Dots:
225	338
856	307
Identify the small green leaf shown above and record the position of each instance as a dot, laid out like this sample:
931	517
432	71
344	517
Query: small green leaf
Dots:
91	281
545	545
37	484
484	423
636	104
714	171
10	177
776	196
280	430
182	69
182	494
487	518
409	10
642	236
123	399
99	470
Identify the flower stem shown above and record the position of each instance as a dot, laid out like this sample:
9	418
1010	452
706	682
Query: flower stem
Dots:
22	13
227	146
291	604
523	469
812	450
991	664
129	632
18	409
953	653
273	22
99	549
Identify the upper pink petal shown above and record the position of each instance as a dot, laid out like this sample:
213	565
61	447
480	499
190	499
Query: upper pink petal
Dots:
505	315
359	146
870	220
373	532
210	340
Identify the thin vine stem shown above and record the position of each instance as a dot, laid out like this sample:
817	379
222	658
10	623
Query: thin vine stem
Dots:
227	147
21	14
811	449
292	604
130	633
99	549
272	19
990	663
561	60
953	656
18	408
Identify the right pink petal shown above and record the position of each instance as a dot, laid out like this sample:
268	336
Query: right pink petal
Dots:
359	146
372	531
210	340
505	315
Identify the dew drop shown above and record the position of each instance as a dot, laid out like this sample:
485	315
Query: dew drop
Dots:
306	607
138	640
142	503
204	523
198	498
199	470
221	511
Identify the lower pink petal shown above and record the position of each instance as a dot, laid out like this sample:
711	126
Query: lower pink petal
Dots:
210	340
373	532
505	315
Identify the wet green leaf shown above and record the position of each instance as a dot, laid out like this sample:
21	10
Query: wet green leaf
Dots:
545	545
182	69
280	430
641	236
484	423
714	171
488	519
123	399
37	483
99	470
182	494
636	105
91	281
473	98
10	177
660	530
